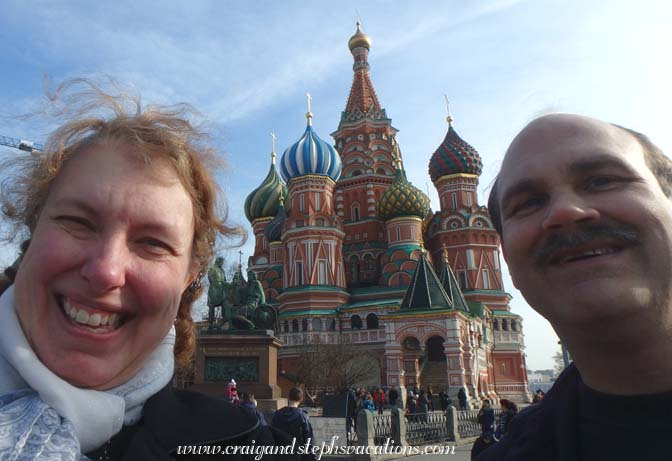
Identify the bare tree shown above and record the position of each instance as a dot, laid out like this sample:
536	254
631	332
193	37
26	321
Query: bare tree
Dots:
333	365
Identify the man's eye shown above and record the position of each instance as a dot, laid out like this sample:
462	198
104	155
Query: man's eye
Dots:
601	182
526	206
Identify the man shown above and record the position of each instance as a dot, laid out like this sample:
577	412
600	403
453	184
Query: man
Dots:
248	402
295	422
486	418
584	214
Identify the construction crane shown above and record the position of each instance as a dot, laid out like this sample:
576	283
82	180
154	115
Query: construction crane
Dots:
27	146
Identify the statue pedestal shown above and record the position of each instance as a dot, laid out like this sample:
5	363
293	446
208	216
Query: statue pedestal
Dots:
249	357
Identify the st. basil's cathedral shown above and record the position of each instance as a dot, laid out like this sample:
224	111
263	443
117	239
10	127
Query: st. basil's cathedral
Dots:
348	249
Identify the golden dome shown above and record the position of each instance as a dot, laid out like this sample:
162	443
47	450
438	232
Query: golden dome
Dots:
359	39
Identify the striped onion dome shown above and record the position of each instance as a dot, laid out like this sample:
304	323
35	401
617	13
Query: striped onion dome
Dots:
310	155
264	201
454	156
273	230
402	199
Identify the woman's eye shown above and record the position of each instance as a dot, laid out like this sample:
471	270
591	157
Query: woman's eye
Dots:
75	223
156	246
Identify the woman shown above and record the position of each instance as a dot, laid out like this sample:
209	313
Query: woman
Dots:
121	216
509	410
367	403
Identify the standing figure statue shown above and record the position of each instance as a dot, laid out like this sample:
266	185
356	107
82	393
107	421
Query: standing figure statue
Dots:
218	289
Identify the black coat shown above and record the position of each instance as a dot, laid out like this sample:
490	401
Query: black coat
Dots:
546	430
172	418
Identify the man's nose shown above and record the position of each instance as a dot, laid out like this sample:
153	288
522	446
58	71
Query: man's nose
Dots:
567	209
106	264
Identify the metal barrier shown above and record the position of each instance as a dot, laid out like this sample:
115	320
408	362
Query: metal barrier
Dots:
382	428
423	428
468	425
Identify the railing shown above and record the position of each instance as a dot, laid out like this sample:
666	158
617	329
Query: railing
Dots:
382	428
423	428
413	429
333	337
467	422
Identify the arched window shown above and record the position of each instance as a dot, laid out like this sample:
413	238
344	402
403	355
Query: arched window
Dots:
285	324
514	325
317	325
355	212
295	326
495	324
368	262
354	269
304	325
505	325
332	325
356	322
372	322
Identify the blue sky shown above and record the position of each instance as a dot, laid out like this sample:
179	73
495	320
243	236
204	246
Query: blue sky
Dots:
246	65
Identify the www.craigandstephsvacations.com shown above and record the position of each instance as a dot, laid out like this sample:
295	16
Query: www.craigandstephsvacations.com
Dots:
319	451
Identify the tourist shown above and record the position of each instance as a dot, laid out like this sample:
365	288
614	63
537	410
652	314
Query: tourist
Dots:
367	402
509	410
423	406
380	404
393	396
122	213
248	402
295	421
584	213
462	398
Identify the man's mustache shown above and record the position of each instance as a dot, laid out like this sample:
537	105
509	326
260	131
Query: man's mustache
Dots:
563	241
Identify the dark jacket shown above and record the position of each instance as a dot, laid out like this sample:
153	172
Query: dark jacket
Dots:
293	416
486	417
393	396
252	408
547	430
173	418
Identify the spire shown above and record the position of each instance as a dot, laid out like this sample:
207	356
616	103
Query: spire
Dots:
309	114
449	118
450	285
425	291
272	148
362	100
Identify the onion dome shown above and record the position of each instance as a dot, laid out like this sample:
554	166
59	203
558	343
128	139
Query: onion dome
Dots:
402	198
264	200
310	155
273	230
360	39
454	156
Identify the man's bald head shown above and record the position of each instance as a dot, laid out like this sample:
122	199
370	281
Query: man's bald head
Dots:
535	132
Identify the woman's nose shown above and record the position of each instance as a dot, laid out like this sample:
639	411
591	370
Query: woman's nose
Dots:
105	266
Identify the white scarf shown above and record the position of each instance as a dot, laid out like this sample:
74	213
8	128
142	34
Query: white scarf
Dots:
95	415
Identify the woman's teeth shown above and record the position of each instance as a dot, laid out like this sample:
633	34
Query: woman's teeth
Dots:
93	320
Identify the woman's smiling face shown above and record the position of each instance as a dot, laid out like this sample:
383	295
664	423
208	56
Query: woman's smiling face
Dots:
110	256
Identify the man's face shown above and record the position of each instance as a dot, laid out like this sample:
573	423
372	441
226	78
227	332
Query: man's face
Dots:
586	228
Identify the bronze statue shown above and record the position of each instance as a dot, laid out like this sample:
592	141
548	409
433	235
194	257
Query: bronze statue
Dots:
243	303
217	290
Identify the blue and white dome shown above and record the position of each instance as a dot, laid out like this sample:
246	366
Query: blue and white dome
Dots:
310	155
